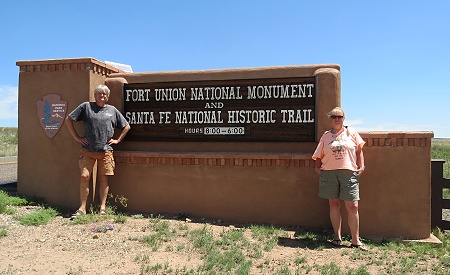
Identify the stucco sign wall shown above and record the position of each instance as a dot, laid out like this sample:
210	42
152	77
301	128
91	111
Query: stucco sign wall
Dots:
269	109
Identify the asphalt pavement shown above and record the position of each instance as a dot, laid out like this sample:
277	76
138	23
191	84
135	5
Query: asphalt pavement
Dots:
8	170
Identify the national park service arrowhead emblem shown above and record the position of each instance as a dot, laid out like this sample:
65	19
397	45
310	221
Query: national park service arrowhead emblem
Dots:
51	113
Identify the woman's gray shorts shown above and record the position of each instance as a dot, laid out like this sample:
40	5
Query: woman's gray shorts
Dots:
342	184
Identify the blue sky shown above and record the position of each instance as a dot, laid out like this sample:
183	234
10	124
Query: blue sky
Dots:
394	55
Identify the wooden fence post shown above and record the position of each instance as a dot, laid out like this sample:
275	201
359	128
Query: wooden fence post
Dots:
437	173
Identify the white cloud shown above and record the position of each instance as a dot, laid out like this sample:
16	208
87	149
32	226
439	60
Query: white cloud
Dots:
8	102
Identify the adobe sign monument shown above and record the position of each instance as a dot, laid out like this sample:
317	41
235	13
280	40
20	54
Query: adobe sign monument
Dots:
233	144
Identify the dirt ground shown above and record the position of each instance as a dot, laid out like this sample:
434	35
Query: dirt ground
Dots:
65	247
62	247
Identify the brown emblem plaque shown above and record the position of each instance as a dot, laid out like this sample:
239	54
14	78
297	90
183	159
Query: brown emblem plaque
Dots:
51	113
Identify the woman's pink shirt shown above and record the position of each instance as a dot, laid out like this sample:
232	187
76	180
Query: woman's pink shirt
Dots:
338	151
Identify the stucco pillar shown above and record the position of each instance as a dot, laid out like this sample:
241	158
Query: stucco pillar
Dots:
48	167
328	96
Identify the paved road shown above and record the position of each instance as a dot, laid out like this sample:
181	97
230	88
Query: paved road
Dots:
8	169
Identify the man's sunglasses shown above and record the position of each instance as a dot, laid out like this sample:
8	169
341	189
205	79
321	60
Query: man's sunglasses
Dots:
333	117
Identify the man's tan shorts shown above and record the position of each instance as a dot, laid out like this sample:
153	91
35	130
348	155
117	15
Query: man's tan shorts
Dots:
105	162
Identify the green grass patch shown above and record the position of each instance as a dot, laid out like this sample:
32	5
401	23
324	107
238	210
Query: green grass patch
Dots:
202	239
3	231
38	217
41	216
163	233
233	238
231	261
267	235
224	255
89	218
6	200
120	218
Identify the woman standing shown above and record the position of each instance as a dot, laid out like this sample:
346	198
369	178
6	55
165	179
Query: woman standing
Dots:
339	161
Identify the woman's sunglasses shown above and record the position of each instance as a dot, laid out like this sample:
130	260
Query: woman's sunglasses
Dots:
333	117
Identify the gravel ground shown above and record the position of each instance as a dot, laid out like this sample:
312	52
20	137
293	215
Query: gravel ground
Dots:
63	247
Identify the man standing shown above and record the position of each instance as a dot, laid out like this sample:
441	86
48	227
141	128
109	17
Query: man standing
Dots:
99	119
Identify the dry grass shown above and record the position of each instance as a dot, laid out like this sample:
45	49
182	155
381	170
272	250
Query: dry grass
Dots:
8	141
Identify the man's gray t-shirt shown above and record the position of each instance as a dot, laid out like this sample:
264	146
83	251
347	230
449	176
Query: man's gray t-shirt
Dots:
99	124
